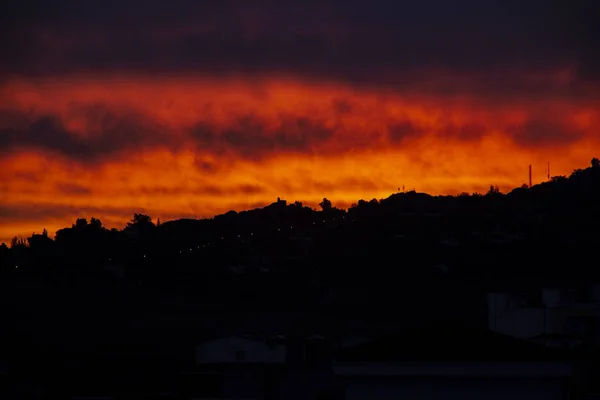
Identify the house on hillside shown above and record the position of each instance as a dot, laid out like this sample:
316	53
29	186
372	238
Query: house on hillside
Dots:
252	367
557	317
278	204
453	362
240	349
235	367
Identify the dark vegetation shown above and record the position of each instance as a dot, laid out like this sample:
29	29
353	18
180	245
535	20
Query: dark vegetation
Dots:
411	255
548	231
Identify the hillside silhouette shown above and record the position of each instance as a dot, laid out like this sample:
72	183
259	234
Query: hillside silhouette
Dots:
154	290
544	232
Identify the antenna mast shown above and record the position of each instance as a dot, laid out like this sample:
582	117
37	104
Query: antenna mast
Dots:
548	171
530	175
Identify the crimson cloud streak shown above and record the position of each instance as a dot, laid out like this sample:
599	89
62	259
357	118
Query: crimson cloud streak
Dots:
193	108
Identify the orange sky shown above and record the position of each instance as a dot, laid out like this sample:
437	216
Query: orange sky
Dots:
194	147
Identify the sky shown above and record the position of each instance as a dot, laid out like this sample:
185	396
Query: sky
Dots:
192	108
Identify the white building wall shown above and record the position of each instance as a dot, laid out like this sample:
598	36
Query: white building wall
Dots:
595	294
228	350
522	323
508	316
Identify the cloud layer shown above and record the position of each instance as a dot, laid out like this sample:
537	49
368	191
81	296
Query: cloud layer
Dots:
379	42
193	108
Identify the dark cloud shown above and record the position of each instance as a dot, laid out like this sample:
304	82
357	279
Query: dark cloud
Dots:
250	137
27	176
401	130
467	132
358	184
41	211
45	132
211	190
250	189
109	133
342	107
407	129
106	133
545	132
72	189
205	166
374	42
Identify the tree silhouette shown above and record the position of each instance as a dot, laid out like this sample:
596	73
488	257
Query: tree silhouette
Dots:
80	223
493	190
369	233
96	223
325	204
140	224
139	220
18	242
41	250
38	241
4	254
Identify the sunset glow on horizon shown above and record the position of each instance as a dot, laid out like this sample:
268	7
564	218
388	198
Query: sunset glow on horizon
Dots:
199	147
196	108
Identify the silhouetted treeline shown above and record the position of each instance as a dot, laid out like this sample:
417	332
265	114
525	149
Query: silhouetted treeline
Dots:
289	251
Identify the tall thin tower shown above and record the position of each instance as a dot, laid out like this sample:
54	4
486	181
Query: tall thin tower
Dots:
530	175
548	171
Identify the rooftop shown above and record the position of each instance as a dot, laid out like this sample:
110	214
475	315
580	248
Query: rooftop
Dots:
449	342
